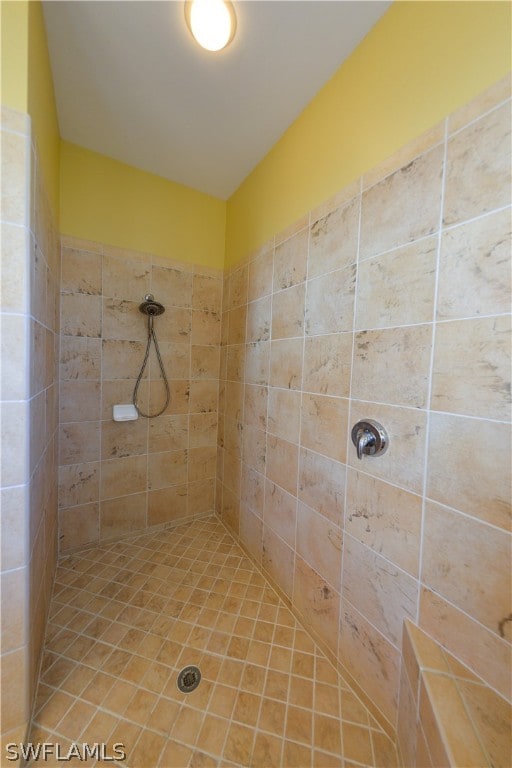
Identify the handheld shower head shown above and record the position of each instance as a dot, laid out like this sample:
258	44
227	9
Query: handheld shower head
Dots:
151	307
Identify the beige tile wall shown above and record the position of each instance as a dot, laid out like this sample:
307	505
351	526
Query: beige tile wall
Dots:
447	716
115	477
389	302
30	263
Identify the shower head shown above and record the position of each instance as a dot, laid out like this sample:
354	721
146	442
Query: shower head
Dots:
151	307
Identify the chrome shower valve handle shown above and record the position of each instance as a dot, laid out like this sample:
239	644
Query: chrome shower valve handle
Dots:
369	438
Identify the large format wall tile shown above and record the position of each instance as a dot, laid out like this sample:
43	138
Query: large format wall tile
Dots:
161	469
374	307
479	182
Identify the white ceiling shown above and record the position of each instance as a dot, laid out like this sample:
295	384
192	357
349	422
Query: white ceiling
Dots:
132	84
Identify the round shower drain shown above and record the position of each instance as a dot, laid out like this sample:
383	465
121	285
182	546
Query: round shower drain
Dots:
188	679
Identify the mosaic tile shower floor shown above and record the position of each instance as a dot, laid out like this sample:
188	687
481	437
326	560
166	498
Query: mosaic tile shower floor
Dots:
126	617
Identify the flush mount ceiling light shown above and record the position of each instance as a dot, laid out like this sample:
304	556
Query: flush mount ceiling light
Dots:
211	22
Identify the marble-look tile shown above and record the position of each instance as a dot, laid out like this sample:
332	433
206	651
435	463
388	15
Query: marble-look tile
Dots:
13	374
288	312
122	320
317	602
257	363
120	439
324	425
286	363
202	429
319	543
290	261
123	515
167	504
402	207
478	176
237	287
167	433
204	395
372	660
202	463
119	391
423	756
491	716
12	602
79	400
251	532
456	729
474	268
397	288
80	358
281	463
252	490
322	485
120	477
205	327
79	442
478	383
467	563
237	324
125	279
80	315
15	163
174	325
204	362
284	413
232	472
254	448
403	462
476	646
280	512
406	731
259	319
233	398
330	302
235	362
200	497
385	518
14	544
81	272
333	239
172	287
122	359
261	273
207	293
79	484
392	365
468	467
15	267
234	432
79	526
384	594
327	364
255	405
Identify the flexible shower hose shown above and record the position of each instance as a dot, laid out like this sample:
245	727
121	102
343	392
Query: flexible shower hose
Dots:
151	335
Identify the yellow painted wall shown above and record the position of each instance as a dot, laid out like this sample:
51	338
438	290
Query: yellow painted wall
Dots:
27	84
110	202
42	107
14	54
421	61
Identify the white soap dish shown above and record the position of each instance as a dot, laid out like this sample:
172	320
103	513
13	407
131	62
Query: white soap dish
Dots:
126	412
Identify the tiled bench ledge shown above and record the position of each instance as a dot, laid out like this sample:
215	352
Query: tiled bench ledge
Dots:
447	716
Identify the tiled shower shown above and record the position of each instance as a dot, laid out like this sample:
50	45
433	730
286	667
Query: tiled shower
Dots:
390	301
